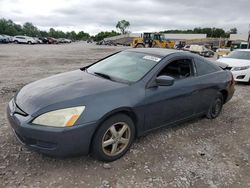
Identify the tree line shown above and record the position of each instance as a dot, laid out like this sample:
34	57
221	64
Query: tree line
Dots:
8	27
211	32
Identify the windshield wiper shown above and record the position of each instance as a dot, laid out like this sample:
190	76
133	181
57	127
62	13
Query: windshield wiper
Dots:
103	75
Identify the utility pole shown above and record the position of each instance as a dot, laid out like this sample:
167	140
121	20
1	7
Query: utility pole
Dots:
248	41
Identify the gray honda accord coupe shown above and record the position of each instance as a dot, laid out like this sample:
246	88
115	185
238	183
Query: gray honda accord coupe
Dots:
100	109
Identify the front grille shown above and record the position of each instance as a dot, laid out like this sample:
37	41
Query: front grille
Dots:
18	110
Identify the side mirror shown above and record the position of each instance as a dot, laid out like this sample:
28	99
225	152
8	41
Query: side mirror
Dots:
164	80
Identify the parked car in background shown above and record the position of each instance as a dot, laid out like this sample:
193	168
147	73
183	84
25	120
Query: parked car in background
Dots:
8	38
186	48
89	40
101	108
2	39
44	40
60	40
179	45
106	42
38	41
222	52
239	45
67	41
238	62
5	39
63	40
201	50
52	40
23	40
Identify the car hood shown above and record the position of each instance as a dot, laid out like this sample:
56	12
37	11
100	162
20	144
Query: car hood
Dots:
61	88
231	62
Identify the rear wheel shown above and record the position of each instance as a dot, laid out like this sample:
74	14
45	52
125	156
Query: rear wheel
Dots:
113	139
29	42
216	107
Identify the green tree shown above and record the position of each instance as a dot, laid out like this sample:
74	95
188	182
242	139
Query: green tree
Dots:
233	31
122	26
8	27
52	32
82	36
211	32
30	30
104	34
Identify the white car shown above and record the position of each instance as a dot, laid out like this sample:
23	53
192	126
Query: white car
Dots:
186	48
24	40
238	62
201	50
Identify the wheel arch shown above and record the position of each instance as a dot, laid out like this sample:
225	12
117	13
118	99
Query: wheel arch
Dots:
140	44
123	110
224	93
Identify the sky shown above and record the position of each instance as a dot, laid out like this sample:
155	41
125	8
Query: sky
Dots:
93	16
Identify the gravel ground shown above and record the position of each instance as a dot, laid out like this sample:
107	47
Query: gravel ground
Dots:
199	153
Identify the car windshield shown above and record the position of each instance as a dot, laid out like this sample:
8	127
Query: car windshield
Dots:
125	67
239	55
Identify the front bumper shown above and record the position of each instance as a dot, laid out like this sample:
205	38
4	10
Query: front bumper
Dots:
241	76
59	142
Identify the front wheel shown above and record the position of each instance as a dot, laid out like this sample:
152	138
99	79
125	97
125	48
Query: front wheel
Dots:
216	107
114	137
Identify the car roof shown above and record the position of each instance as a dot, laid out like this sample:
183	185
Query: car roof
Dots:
162	52
243	50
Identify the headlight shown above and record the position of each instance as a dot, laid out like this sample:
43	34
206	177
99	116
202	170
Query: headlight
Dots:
240	68
60	118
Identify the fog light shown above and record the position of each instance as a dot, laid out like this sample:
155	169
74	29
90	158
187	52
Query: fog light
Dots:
240	77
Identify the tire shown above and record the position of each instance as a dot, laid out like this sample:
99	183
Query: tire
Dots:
107	144
29	42
16	42
139	46
156	46
216	107
248	83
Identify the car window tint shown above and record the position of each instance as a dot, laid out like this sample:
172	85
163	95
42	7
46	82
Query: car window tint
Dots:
178	69
204	66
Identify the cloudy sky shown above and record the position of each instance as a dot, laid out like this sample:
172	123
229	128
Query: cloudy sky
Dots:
144	15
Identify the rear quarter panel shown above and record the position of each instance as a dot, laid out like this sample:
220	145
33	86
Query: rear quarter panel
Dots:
210	85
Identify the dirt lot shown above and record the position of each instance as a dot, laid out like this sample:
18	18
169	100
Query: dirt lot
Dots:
200	153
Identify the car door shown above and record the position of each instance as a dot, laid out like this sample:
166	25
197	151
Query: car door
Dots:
21	39
168	104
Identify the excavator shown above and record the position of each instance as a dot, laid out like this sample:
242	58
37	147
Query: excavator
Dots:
152	40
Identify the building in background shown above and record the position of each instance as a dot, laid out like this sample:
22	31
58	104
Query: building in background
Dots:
238	37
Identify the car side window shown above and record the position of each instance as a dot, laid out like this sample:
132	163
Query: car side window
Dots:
205	67
178	69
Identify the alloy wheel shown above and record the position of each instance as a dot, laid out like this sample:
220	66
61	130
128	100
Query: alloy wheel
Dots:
116	139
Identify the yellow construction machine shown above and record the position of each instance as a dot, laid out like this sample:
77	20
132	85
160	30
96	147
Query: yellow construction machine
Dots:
152	40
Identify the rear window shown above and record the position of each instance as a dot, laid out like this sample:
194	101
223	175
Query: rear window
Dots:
204	66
